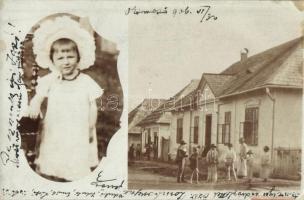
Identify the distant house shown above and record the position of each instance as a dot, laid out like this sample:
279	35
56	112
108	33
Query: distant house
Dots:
136	115
258	98
156	126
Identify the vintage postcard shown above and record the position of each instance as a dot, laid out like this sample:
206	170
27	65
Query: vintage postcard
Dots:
151	99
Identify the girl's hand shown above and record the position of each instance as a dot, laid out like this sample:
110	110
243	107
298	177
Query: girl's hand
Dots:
34	111
93	115
91	137
34	107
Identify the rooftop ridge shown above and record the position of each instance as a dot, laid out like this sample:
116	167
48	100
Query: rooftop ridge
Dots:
290	42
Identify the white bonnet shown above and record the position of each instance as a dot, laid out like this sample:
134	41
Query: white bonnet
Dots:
63	27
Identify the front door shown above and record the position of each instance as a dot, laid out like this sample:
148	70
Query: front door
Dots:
164	149
155	145
208	126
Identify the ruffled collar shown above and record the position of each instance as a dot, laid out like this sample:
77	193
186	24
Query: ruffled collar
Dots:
73	78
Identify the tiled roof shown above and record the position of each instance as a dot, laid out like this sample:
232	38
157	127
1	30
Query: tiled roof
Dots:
278	66
158	116
290	72
217	82
188	100
187	89
260	58
140	112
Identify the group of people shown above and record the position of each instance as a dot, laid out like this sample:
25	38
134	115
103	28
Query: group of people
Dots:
245	168
134	152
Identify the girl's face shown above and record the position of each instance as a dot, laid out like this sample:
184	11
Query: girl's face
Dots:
65	58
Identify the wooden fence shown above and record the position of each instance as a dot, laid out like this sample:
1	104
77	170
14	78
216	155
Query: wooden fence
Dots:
287	163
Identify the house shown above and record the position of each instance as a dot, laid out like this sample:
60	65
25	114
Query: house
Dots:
194	117
156	126
263	104
258	98
136	115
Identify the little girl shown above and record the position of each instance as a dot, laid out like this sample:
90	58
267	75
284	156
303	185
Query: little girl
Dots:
266	164
194	164
250	163
68	146
230	159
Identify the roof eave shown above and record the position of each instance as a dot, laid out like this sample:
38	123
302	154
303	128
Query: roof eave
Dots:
261	87
152	123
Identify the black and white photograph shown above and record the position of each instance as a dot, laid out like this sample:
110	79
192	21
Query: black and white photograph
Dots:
219	107
75	97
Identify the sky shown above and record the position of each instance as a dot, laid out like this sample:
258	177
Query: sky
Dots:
166	52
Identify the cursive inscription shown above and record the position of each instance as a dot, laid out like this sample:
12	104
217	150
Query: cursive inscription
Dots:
19	193
105	183
10	154
204	12
136	11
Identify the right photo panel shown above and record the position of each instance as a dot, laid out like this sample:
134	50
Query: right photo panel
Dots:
215	96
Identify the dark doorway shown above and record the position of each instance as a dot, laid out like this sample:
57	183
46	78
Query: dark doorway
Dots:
208	125
155	145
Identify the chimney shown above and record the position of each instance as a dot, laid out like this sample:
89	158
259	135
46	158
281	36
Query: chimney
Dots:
244	54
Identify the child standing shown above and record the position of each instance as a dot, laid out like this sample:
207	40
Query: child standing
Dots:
180	159
194	164
230	159
265	163
212	161
250	160
68	146
242	170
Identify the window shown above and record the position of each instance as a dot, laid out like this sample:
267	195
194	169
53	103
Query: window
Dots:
250	127
195	136
155	141
149	136
224	130
146	137
179	130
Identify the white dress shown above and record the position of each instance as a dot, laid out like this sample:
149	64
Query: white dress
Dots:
266	165
65	150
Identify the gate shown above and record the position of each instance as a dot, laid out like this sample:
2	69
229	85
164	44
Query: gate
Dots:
287	163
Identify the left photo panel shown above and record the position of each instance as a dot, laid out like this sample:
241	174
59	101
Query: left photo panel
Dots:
70	72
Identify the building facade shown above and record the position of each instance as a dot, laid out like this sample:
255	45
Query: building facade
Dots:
258	98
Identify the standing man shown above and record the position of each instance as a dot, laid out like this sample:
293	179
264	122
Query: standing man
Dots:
181	156
138	151
212	161
200	150
131	152
148	150
242	172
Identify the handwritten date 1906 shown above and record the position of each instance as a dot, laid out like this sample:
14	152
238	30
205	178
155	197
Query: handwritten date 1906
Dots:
203	11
